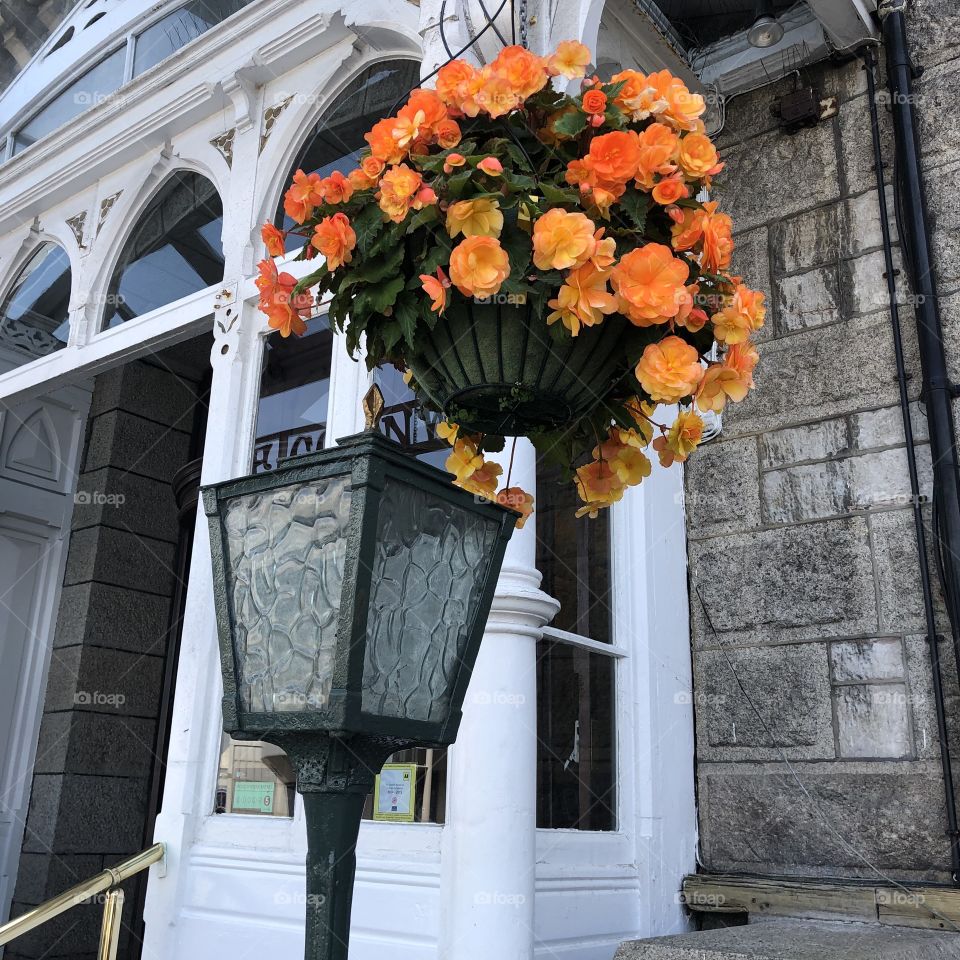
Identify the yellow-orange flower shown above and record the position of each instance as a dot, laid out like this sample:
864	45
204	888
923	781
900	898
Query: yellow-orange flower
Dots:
373	167
680	440
516	498
335	239
647	281
398	190
690	316
698	156
447	430
427	108
570	60
637	97
435	287
743	314
729	380
714	230
524	71
453	161
497	96
475	218
669	190
683	108
583	299
273	239
491	166
478	266
605	252
562	240
464	460
669	370
305	193
598	486
657	154
482	481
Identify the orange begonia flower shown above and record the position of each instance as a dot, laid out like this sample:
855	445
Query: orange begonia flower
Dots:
458	83
448	133
731	379
478	266
273	239
647	281
669	370
583	299
681	439
475	218
670	190
336	188
698	156
690	316
598	486
285	312
614	156
305	193
683	109
398	191
524	71
570	60
741	316
562	240
594	101
517	499
453	161
497	96
383	145
435	287
714	230
426	104
491	166
335	239
659	147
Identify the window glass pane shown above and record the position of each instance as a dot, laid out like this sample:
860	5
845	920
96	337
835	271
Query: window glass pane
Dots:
429	791
94	86
574	557
406	422
177	29
174	250
33	317
575	738
255	778
294	386
337	139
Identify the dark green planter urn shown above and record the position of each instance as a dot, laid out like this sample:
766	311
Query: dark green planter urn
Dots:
352	586
497	368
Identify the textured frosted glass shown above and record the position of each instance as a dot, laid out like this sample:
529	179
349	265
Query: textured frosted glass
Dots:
428	570
285	558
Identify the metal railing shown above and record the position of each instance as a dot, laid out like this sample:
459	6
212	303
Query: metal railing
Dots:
106	880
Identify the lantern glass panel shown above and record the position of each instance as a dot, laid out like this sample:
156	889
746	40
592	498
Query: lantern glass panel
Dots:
285	559
428	572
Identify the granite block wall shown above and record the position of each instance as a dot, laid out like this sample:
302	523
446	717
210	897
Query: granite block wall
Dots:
817	748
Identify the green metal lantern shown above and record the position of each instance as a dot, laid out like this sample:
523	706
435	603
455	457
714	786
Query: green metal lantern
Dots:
352	586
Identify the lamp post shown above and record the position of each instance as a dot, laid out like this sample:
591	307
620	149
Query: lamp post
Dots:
351	587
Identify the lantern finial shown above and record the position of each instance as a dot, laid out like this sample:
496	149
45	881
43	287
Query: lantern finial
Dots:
373	407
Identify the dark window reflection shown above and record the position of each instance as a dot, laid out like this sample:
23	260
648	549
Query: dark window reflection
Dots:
574	557
575	738
174	250
405	422
337	139
294	395
33	318
177	29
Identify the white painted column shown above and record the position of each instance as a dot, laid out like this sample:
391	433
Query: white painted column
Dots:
489	859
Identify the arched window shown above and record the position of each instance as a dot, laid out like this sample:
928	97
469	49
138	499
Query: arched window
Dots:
174	250
33	316
337	138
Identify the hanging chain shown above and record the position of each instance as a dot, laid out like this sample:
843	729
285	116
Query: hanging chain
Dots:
523	25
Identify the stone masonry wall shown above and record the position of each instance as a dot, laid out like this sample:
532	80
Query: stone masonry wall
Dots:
805	590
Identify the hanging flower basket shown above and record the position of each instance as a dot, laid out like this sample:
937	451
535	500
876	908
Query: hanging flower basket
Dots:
539	265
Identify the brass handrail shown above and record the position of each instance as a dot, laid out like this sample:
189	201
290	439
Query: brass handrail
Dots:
113	904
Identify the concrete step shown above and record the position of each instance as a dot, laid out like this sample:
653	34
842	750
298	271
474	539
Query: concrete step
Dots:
799	940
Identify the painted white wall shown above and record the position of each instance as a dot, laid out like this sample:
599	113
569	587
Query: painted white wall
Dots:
233	883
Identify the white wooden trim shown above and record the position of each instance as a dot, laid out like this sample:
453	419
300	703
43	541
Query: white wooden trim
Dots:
576	640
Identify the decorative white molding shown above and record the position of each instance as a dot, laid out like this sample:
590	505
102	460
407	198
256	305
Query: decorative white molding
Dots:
77	224
106	205
224	144
270	117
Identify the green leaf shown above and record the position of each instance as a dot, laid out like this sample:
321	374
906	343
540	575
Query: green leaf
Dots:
422	217
390	333
382	296
519	182
407	314
557	195
457	183
438	256
311	279
636	205
571	124
367	224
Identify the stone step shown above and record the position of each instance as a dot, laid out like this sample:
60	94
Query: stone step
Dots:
798	940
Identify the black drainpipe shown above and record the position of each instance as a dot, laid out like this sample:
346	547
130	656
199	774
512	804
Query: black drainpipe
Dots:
937	391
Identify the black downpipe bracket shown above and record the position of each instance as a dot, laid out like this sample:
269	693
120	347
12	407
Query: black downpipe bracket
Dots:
937	390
